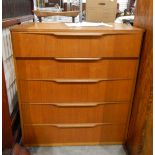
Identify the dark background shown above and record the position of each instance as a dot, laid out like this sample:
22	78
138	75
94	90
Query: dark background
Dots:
15	8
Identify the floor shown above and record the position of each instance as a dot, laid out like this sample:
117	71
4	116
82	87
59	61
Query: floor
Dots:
79	150
76	150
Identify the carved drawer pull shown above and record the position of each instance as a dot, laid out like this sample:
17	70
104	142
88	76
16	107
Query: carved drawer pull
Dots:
78	34
77	81
77	59
83	125
95	104
77	104
82	104
87	125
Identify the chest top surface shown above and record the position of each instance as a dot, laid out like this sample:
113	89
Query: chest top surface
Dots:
61	27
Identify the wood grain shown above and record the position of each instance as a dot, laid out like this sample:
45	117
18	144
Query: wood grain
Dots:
57	78
57	69
47	28
49	135
48	113
140	134
82	46
48	91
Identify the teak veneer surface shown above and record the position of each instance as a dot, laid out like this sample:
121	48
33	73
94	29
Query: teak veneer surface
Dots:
61	27
69	45
56	113
60	69
49	91
99	134
75	84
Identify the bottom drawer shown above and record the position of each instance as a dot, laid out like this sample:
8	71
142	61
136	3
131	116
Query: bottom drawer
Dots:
51	135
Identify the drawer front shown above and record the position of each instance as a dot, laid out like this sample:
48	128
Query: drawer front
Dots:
49	135
77	69
61	91
109	45
75	113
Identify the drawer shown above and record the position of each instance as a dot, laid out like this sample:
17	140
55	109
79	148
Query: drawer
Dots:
76	68
75	91
59	135
75	113
61	44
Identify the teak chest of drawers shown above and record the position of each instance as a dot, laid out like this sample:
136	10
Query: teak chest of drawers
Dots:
75	85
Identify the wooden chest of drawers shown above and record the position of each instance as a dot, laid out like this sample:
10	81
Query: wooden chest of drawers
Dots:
75	85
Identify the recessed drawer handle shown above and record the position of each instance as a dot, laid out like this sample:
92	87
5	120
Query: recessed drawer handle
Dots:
90	125
78	104
78	81
78	34
77	59
83	125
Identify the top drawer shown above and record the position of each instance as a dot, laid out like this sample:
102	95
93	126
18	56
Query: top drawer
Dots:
69	45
